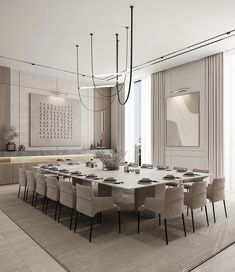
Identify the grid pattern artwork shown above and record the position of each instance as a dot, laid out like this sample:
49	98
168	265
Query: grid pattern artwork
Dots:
55	121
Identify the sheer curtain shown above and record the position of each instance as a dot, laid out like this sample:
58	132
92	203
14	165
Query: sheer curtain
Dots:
229	119
146	120
158	116
214	87
130	127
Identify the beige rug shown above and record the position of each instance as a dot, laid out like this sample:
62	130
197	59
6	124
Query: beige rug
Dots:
128	251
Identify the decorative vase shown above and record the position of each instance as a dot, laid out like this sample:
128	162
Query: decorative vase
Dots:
11	146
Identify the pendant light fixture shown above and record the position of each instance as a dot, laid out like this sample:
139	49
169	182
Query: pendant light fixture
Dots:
118	74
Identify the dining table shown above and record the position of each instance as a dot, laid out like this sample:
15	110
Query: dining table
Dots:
145	182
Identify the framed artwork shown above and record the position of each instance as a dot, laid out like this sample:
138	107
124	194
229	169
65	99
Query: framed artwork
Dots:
182	120
54	121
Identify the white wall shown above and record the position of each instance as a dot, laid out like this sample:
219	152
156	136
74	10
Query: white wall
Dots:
192	76
23	83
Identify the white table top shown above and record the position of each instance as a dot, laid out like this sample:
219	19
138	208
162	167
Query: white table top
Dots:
128	180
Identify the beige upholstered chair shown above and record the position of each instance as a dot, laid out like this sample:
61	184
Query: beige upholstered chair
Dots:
41	189
52	192
31	184
188	184
22	181
196	198
67	198
90	205
216	192
171	204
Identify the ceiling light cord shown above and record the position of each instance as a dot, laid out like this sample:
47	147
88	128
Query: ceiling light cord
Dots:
79	90
92	67
131	64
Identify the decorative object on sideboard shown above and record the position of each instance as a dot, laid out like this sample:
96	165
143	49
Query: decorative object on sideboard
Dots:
9	135
21	148
110	161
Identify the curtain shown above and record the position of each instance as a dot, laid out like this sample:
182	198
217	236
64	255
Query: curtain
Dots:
158	118
229	120
146	120
214	89
130	125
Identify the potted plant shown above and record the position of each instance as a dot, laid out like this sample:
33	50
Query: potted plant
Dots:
10	135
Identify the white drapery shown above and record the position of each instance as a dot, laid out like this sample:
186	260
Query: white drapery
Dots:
146	120
229	120
214	88
145	123
158	118
130	127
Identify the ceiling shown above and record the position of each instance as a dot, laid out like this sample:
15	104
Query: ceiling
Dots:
45	32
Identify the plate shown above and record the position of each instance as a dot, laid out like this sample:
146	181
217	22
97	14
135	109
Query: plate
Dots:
144	181
169	177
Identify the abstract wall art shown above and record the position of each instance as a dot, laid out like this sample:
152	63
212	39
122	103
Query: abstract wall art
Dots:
182	127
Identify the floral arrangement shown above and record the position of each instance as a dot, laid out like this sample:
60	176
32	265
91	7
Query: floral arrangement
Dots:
110	161
10	134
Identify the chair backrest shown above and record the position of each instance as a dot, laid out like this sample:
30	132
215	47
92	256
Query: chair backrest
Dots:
174	202
198	194
40	184
31	181
200	170
53	189
22	177
218	189
85	197
67	194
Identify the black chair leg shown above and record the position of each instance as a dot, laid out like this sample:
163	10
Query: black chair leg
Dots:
33	198
26	197
35	202
71	220
184	224
187	210
192	220
225	210
76	221
166	231
138	221
19	191
24	193
43	206
100	217
56	206
91	229
207	220
213	208
159	220
119	221
46	205
60	207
